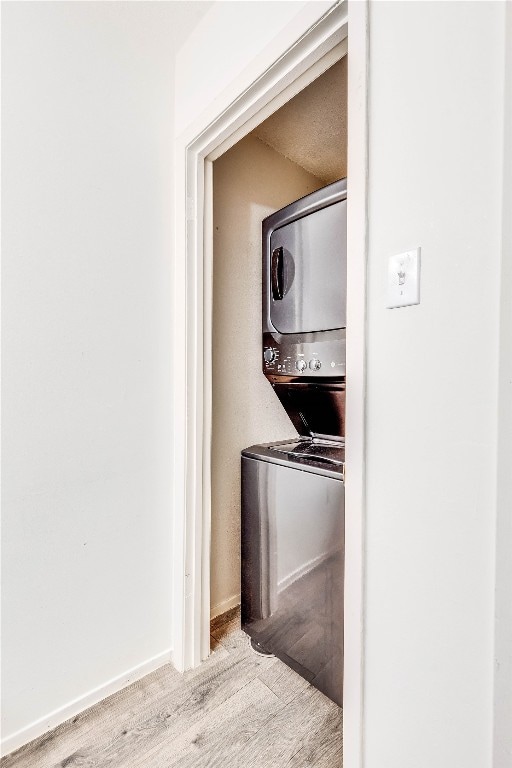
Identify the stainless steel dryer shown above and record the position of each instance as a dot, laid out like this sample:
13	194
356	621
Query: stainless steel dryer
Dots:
293	556
304	308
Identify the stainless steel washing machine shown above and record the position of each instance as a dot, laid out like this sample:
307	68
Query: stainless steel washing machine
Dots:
293	515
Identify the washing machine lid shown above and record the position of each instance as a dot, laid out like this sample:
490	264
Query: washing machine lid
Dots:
320	457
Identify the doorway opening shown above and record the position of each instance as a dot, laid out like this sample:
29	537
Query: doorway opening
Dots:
298	149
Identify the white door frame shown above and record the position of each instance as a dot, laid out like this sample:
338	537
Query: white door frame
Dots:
296	67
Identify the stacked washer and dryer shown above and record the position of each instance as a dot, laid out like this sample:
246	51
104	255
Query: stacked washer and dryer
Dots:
293	496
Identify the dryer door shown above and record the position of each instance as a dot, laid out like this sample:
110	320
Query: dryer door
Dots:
308	266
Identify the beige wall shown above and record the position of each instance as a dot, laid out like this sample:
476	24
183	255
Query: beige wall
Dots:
250	182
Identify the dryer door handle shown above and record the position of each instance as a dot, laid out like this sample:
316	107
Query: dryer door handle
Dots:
277	273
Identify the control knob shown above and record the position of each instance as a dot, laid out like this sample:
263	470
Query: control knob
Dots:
315	364
301	365
269	355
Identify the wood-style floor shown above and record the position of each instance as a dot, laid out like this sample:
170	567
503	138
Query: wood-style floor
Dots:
237	710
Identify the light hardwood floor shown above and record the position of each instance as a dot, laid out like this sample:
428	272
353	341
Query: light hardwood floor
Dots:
237	710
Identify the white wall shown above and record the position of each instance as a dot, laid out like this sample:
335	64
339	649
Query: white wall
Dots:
249	37
250	182
87	178
503	610
436	138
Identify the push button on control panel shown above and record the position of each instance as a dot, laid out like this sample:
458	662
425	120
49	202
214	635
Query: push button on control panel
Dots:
315	364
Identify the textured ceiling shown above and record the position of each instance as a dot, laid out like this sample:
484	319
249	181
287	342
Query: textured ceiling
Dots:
311	129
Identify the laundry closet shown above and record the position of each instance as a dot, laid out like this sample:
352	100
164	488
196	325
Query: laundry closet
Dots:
299	149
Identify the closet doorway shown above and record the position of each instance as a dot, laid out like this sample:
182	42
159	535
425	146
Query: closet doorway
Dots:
300	148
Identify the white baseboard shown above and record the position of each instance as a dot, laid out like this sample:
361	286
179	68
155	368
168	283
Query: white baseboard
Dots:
224	605
58	716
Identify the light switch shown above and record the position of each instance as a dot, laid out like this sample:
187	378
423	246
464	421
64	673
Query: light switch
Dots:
404	279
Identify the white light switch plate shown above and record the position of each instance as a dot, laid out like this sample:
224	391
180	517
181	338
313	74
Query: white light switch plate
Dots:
404	279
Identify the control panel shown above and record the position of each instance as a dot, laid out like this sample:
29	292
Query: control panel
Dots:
311	355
